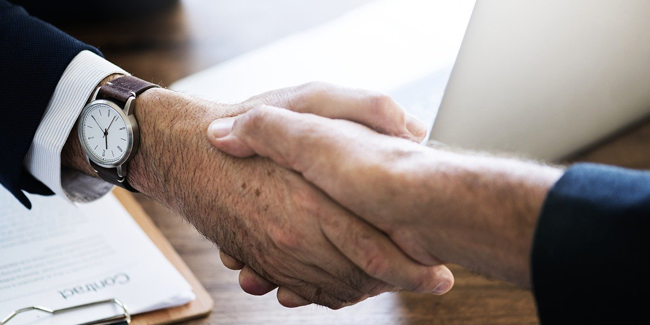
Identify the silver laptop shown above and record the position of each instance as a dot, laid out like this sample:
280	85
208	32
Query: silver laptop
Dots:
546	78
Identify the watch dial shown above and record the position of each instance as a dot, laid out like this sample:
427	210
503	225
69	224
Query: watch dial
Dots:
104	134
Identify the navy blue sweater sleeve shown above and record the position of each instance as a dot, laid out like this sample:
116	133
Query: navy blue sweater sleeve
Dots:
591	250
33	56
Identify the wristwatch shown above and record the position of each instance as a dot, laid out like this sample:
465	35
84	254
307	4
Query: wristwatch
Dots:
108	130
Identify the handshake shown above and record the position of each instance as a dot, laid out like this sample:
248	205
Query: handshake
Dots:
326	192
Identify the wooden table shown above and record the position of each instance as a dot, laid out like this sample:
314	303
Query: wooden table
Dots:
194	35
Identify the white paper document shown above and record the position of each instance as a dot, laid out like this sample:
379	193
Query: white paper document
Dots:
59	255
405	48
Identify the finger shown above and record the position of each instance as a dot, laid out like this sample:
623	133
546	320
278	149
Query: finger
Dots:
344	274
314	285
375	254
374	110
254	284
325	268
316	295
417	128
332	293
319	286
311	293
290	299
230	262
333	271
281	135
219	134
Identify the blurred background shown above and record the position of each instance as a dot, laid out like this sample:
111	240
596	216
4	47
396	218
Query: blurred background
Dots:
165	40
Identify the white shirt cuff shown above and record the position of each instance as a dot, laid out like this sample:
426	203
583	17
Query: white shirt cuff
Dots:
43	160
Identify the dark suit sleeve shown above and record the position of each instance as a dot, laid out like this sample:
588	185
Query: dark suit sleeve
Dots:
591	250
33	56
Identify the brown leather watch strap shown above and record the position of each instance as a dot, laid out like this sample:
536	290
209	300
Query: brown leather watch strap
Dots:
119	91
110	175
122	88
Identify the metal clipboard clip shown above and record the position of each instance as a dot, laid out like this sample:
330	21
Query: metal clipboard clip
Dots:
123	318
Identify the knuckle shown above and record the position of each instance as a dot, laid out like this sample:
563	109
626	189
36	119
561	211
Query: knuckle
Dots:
386	109
315	294
328	301
375	265
360	281
315	86
376	287
348	294
306	198
336	305
351	298
254	121
290	155
299	286
256	117
380	103
309	94
286	240
425	281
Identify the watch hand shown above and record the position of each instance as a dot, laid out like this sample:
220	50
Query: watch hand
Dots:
109	126
100	127
106	138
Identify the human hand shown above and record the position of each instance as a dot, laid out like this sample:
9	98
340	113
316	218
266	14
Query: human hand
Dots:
436	205
356	166
260	213
373	109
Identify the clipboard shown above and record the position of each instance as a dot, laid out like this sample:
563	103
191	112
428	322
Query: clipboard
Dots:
201	306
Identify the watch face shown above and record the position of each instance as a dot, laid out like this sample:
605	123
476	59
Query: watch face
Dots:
104	133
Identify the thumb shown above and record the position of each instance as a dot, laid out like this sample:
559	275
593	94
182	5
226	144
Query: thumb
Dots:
219	134
268	131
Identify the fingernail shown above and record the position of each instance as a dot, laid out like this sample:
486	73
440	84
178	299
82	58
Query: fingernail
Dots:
415	126
221	127
442	288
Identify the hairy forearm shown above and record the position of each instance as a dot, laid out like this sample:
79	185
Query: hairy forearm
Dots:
490	225
172	132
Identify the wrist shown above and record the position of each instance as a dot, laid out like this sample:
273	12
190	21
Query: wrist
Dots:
487	212
172	128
